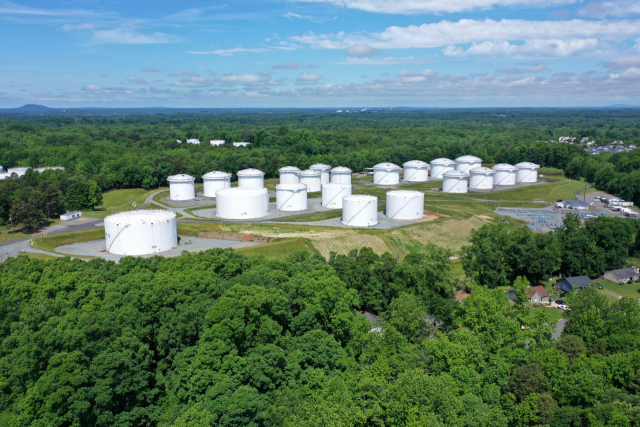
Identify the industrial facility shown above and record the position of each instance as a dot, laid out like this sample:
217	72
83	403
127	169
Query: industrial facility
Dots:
466	163
182	187
527	172
360	211
341	175
324	172
332	195
386	174
481	178
454	181
505	174
142	232
214	181
251	178
440	166
242	203
291	197
415	171
289	175
312	179
405	204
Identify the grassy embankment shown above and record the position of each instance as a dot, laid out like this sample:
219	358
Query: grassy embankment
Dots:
119	201
49	243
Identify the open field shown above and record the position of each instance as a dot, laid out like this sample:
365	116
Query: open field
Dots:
7	234
118	201
344	244
631	290
49	243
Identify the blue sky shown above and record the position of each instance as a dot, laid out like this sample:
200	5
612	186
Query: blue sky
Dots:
319	53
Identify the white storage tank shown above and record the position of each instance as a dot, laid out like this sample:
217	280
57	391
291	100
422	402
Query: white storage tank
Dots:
291	197
360	210
251	178
466	163
454	182
440	166
214	181
415	171
182	187
242	203
324	172
505	174
405	204
481	178
141	232
289	175
312	179
332	195
527	172
341	175
386	174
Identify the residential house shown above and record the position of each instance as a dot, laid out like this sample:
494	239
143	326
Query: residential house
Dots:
568	284
623	275
535	295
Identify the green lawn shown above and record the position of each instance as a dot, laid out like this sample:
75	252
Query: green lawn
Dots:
118	201
555	313
158	197
456	268
7	234
626	289
281	248
316	217
49	243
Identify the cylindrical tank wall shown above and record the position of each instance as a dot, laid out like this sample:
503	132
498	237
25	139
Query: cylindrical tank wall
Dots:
437	171
289	177
252	181
140	232
360	211
211	185
466	166
291	197
242	203
454	184
313	182
325	176
414	174
504	177
340	178
405	204
480	181
386	177
182	190
332	195
525	174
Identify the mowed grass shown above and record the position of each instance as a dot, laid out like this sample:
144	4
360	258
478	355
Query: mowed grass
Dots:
280	249
119	201
630	290
555	313
49	243
315	217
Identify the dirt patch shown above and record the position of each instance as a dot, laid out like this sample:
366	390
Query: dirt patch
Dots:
484	216
234	237
344	244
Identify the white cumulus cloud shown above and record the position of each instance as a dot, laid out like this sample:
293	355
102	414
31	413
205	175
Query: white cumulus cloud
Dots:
360	50
308	79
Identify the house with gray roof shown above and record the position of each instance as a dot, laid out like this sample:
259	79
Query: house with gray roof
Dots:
623	275
568	284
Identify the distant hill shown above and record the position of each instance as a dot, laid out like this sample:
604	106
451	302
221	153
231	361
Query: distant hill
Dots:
33	107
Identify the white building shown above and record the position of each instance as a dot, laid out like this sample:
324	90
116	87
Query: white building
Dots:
527	172
341	175
505	174
193	141
142	232
481	178
405	204
291	197
70	216
289	175
466	163
312	179
241	144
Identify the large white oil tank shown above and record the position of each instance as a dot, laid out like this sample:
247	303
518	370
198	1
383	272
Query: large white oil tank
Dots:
405	204
360	210
341	175
466	163
312	179
214	181
505	174
454	182
386	174
481	178
289	175
440	166
415	171
291	197
242	203
182	187
141	232
324	172
527	172
332	195
251	178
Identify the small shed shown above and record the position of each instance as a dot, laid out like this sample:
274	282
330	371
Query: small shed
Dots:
576	204
623	275
70	216
570	283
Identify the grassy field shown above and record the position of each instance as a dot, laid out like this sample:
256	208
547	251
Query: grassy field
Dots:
49	243
456	269
7	234
344	244
631	290
118	201
316	217
555	313
281	248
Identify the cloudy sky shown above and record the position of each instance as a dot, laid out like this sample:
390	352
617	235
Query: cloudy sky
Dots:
319	53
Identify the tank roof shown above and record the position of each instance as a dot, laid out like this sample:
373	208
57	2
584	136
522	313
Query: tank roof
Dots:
181	177
289	169
416	164
469	159
250	172
482	171
241	191
291	187
528	165
443	161
456	174
341	169
310	172
387	166
216	175
141	216
504	167
404	193
320	166
359	198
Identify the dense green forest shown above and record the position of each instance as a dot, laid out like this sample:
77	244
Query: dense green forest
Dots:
218	339
141	150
